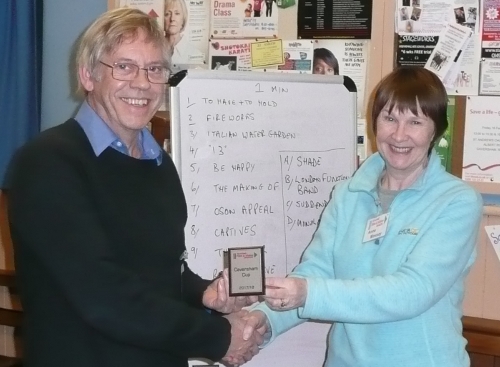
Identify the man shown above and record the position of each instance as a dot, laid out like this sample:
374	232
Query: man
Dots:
269	8
97	217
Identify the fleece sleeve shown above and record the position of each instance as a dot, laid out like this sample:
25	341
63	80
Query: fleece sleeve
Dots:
442	257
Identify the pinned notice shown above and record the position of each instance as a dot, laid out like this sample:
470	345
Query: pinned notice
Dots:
267	53
494	237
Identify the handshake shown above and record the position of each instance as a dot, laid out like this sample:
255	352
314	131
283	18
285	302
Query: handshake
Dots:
248	328
247	333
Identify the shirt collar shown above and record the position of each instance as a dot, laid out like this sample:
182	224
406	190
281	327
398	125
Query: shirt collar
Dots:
101	136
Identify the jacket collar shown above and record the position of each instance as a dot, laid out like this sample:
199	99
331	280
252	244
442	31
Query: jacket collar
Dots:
368	174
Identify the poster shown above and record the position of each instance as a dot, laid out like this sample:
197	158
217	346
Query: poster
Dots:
481	160
344	57
429	16
267	53
422	16
490	48
154	8
493	234
463	78
230	55
243	18
452	40
414	49
334	19
186	29
443	36
298	58
185	24
490	22
490	77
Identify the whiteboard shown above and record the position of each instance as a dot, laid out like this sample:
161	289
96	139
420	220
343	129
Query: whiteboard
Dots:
258	156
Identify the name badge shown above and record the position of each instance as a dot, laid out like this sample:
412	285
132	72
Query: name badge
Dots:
376	227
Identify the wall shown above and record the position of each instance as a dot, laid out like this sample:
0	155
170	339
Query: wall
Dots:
63	23
482	296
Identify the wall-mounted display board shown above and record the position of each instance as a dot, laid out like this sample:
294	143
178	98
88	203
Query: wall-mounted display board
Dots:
258	155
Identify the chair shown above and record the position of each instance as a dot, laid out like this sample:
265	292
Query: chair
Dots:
10	317
483	341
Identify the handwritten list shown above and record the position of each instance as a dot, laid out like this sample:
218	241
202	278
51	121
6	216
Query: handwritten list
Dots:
259	162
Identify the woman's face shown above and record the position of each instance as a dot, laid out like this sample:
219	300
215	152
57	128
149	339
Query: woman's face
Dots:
173	18
403	139
321	67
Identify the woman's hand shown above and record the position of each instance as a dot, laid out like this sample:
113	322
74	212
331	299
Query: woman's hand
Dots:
284	294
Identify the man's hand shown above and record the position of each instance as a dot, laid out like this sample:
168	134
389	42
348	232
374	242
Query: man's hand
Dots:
241	350
216	296
256	321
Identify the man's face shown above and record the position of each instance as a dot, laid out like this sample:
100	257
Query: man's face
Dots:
126	106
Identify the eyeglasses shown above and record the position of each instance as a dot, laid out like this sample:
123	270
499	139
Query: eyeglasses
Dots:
124	71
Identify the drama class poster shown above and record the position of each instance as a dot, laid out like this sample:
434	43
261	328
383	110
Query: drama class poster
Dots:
229	55
243	18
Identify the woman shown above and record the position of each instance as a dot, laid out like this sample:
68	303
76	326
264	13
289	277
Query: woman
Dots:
175	20
248	11
324	62
389	259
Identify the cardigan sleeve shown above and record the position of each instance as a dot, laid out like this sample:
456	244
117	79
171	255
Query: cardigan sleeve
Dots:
52	217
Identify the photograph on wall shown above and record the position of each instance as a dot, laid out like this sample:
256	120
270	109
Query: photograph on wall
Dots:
481	160
334	19
243	18
229	55
186	29
343	57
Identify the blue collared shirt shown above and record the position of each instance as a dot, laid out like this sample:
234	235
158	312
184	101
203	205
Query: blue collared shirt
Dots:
101	136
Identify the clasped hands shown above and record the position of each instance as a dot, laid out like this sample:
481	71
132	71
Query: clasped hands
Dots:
216	297
248	328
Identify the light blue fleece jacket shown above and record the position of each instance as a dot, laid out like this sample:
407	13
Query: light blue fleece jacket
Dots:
397	302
